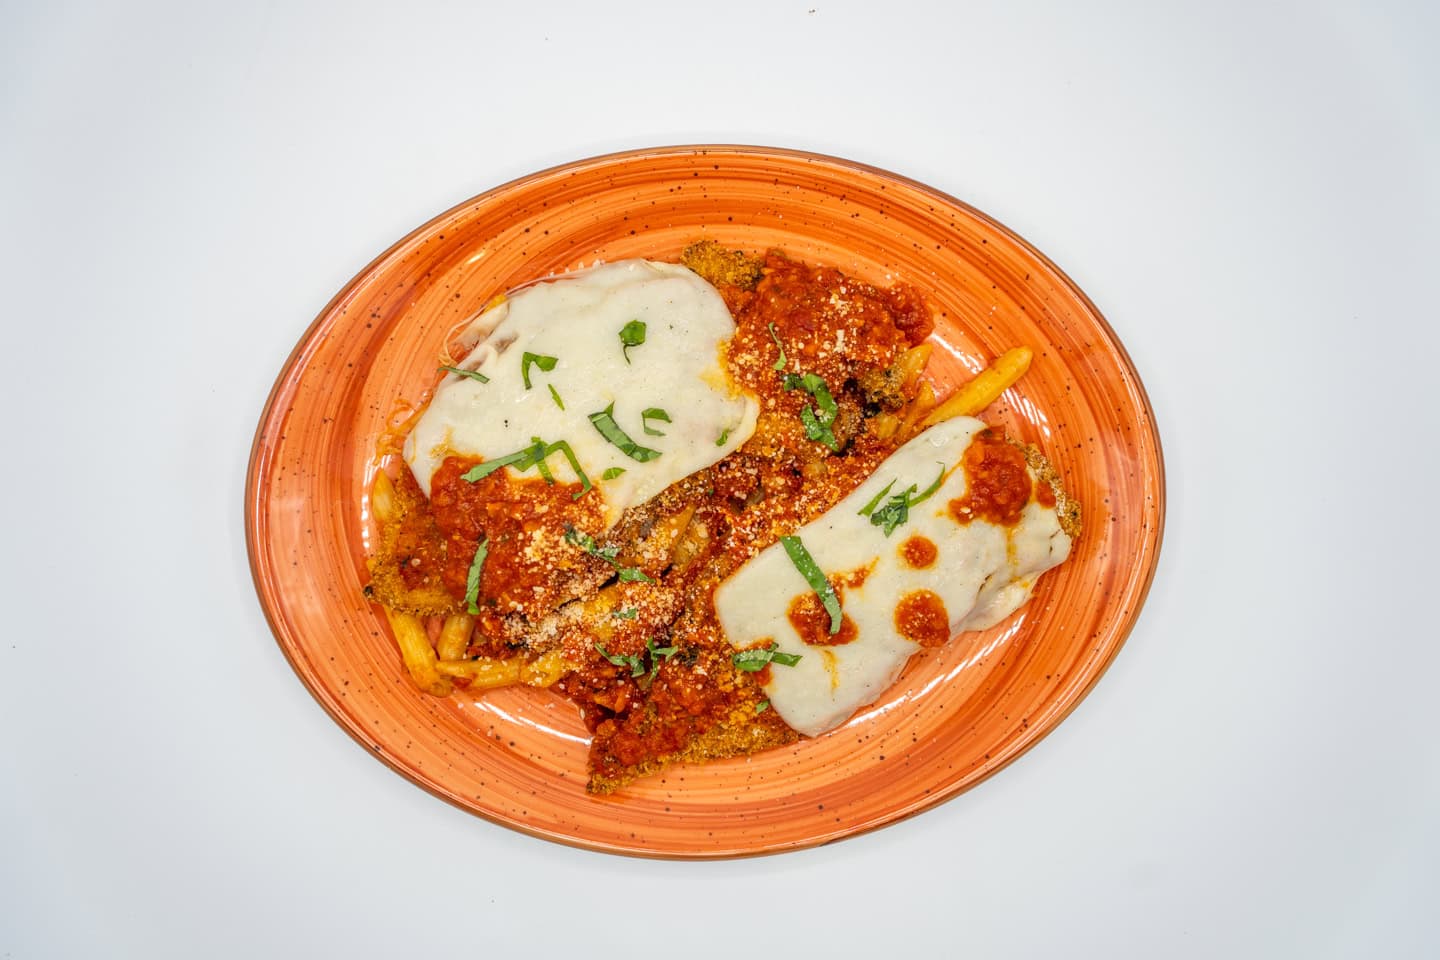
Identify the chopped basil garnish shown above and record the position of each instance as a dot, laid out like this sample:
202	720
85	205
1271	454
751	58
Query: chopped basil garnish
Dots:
897	510
753	661
779	364
724	435
629	613
604	421
532	456
929	491
817	426
472	374
563	448
866	510
814	576
587	543
541	466
630	660
611	473
631	335
636	662
538	359
555	395
653	413
655	654
762	706
472	579
522	460
894	513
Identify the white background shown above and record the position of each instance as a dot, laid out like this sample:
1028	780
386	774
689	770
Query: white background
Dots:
1249	192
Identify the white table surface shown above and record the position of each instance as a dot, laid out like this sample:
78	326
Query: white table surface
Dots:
1250	194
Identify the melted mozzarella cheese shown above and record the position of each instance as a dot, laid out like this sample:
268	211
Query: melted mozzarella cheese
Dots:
577	319
981	572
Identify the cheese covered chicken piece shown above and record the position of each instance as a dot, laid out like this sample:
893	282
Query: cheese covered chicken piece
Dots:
950	533
621	362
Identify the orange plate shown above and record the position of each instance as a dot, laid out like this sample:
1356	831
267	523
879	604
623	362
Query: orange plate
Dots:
517	757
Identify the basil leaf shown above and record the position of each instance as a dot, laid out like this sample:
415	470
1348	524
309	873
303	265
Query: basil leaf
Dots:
585	542
866	510
897	511
538	359
816	387
611	473
541	466
472	374
929	491
604	421
655	654
724	435
817	431
762	706
561	446
817	426
779	364
631	335
555	395
890	516
629	613
756	659
482	470
532	456
623	660
751	661
814	576
472	579
653	413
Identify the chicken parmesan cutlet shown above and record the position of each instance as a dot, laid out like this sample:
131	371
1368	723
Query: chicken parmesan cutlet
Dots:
712	503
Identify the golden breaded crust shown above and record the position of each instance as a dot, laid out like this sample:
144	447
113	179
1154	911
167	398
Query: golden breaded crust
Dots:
411	529
721	267
1066	506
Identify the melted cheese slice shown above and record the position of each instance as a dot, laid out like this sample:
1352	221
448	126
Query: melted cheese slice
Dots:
981	572
577	319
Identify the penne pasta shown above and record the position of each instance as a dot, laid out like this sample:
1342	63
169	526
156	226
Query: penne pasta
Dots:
417	653
486	673
483	674
382	498
913	361
985	389
454	636
923	403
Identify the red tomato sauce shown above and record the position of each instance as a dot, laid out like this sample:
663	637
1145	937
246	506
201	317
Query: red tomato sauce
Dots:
921	617
998	486
919	552
808	617
523	523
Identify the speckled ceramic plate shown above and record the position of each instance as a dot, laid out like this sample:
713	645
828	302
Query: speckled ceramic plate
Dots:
517	757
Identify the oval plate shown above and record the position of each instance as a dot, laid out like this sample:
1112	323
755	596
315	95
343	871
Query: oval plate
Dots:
517	757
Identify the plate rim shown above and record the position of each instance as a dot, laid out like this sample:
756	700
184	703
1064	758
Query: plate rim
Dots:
259	458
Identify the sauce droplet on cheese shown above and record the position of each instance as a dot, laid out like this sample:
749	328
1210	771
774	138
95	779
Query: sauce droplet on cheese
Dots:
997	485
919	552
920	616
812	623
